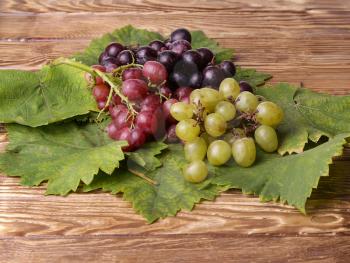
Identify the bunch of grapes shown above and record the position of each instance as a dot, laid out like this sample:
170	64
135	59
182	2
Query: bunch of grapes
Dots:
218	124
139	106
185	66
168	91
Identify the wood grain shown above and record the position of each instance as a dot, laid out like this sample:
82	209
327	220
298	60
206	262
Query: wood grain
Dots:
296	40
179	248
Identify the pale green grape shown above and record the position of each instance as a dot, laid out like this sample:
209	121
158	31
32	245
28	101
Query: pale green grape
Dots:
187	130
207	97
226	109
196	171
215	124
246	102
244	152
229	88
266	138
269	113
181	111
196	149
219	152
195	96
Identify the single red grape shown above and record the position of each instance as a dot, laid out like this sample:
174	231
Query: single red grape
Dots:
147	121
101	105
98	80
122	119
132	73
113	131
115	110
171	134
116	100
165	91
155	72
100	92
135	89
183	92
166	110
150	103
137	138
186	100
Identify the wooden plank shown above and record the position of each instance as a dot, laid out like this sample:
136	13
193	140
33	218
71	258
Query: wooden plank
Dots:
27	212
179	248
39	6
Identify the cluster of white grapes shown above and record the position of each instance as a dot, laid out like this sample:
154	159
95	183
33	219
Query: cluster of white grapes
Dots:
218	124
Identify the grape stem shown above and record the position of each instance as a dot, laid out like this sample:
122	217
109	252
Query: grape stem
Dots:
141	175
106	78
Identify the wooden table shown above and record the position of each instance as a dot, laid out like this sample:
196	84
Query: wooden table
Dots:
296	40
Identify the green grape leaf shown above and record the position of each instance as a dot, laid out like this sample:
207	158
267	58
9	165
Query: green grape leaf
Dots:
308	115
127	35
145	156
61	154
38	98
171	194
253	77
289	179
199	39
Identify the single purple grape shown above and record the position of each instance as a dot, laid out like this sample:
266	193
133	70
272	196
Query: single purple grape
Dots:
125	57
157	45
103	56
180	46
193	56
245	86
212	76
185	74
228	67
168	58
114	49
181	34
144	54
207	55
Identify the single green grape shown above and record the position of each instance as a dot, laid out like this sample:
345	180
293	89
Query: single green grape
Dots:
226	109
181	111
229	88
195	150
219	152
266	137
244	152
246	102
207	138
196	171
207	97
215	124
195	96
187	130
269	113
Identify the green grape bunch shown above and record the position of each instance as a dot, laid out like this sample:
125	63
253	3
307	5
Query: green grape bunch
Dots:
224	124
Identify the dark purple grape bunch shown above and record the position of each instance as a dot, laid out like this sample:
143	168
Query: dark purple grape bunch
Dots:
189	67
